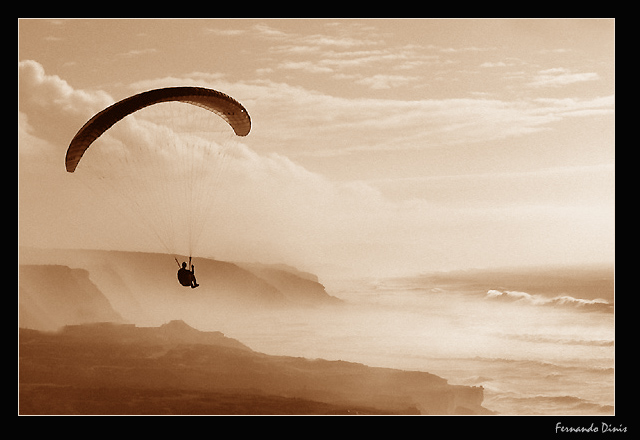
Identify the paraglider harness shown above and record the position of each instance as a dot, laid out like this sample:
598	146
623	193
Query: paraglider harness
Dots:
186	277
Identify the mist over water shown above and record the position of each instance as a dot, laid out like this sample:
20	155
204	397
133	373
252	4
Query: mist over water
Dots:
534	353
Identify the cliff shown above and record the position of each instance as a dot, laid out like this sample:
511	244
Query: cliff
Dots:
52	296
81	353
59	287
124	369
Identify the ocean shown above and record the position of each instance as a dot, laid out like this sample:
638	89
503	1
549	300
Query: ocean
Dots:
540	342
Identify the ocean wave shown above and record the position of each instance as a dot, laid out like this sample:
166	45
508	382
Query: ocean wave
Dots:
567	405
563	341
597	304
546	366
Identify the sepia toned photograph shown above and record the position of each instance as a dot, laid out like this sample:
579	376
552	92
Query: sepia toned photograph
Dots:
317	217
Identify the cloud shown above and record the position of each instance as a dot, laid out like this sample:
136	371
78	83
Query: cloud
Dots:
278	209
294	49
265	31
557	77
381	81
32	149
345	49
496	64
338	58
297	43
326	125
466	49
224	32
137	52
307	66
36	87
54	108
554	51
260	30
272	210
326	40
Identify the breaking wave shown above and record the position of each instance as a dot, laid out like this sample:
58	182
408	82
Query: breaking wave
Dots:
535	405
597	304
563	341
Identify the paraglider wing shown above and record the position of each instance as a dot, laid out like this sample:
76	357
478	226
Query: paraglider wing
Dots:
217	102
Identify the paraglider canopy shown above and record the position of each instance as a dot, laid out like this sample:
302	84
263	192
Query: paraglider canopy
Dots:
217	102
159	159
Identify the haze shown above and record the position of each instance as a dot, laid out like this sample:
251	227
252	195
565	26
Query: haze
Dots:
377	146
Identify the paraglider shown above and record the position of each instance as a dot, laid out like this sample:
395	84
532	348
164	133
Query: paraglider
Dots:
188	156
187	277
217	102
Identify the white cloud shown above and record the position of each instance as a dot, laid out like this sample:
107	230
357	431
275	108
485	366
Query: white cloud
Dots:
266	31
326	40
273	208
496	64
350	49
224	32
348	57
55	109
137	52
307	66
297	43
287	213
556	77
554	51
296	121
382	81
466	49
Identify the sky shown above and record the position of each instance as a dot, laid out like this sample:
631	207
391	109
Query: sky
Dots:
378	147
